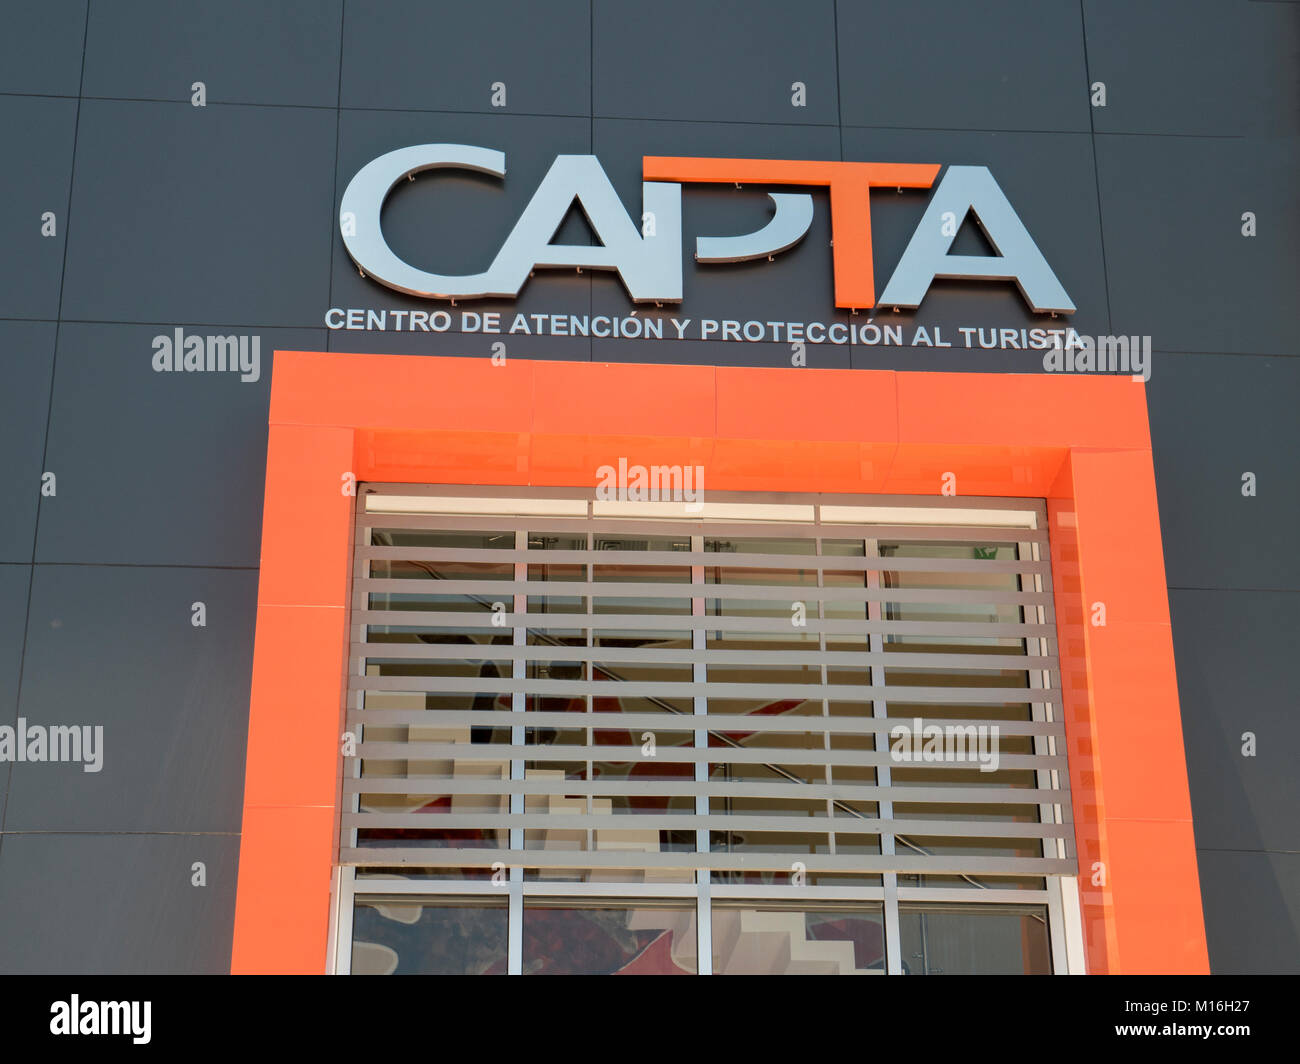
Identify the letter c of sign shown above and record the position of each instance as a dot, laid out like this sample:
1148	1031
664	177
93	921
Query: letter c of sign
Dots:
364	200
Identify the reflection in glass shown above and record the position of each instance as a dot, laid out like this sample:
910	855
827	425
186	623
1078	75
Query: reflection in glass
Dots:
773	941
648	939
974	940
619	622
407	935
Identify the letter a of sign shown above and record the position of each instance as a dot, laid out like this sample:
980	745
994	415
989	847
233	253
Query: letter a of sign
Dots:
972	188
650	265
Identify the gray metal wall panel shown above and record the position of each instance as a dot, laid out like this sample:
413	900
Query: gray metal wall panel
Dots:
38	134
1213	419
114	646
116	904
726	61
411	54
209	215
1252	911
1178	265
1205	67
166	478
26	361
244	51
41	47
1006	64
15	582
1235	680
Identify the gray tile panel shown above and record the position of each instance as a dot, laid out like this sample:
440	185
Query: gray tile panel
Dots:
41	47
26	363
115	647
1252	911
15	582
1233	651
38	134
727	61
1179	268
243	51
157	467
214	215
946	64
1213	419
116	904
409	54
1201	67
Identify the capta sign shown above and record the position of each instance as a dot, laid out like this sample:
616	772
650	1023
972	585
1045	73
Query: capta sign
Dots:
648	258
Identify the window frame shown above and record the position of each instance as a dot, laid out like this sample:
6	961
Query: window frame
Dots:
1080	441
1059	896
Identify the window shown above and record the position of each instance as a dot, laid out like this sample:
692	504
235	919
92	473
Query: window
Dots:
784	734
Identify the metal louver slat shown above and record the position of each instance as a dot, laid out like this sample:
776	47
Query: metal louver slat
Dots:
443	618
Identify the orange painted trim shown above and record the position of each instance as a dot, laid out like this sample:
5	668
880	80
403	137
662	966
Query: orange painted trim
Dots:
850	186
1080	442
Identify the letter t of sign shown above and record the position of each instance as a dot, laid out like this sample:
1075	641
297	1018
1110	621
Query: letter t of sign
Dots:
850	187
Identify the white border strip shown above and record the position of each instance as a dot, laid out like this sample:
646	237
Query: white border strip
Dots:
916	515
433	504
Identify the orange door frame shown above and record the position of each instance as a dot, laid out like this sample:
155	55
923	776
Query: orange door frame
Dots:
1082	443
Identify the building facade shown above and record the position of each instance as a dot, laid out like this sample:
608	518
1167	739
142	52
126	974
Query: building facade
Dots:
394	388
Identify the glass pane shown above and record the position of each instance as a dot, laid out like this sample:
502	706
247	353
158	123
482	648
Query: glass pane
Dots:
831	941
408	935
759	545
968	612
641	939
988	940
425	539
794	761
557	541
